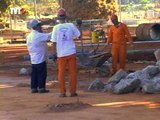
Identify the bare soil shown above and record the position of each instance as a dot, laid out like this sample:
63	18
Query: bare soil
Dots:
18	103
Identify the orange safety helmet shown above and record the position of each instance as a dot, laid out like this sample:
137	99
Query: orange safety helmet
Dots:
61	13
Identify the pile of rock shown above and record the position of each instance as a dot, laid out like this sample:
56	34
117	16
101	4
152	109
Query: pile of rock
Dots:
146	80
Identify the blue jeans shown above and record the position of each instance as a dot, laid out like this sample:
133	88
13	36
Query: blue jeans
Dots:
38	75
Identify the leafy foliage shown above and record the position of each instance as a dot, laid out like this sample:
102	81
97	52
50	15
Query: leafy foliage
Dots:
157	3
88	9
4	5
47	7
124	2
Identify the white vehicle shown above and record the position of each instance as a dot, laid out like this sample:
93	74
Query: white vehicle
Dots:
20	24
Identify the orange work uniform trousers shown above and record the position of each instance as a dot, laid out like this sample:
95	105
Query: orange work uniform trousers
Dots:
118	57
63	62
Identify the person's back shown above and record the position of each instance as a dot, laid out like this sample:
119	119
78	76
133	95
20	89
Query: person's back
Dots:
37	46
62	37
63	34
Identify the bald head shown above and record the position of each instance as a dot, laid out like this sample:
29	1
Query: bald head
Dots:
114	17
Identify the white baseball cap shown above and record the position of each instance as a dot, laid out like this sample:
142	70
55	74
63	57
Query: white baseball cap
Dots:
33	23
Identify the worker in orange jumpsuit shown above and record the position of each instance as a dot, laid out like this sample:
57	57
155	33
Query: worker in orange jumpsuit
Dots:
118	36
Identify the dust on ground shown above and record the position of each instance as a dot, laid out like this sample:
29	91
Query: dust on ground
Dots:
18	103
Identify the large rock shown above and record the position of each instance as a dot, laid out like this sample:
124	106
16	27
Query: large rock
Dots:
147	73
126	86
118	76
151	88
151	85
104	70
145	81
151	70
109	87
158	63
157	54
96	85
141	75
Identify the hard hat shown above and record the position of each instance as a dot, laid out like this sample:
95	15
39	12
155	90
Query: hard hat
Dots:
61	14
33	23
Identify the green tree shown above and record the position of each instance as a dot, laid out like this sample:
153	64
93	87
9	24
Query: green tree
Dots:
47	7
144	4
157	3
4	4
88	9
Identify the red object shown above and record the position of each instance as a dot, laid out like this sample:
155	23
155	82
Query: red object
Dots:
22	11
61	12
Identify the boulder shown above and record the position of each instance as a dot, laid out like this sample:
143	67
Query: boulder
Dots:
157	54
151	88
96	85
151	70
126	86
118	76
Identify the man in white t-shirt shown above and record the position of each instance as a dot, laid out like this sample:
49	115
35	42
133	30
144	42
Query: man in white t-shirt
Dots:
37	48
62	36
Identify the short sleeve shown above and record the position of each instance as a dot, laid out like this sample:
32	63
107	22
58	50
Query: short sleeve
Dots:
76	32
53	35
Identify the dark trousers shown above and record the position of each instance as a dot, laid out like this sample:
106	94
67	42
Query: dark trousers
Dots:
39	75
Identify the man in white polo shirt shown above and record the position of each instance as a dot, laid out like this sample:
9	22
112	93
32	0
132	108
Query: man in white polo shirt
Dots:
37	48
62	36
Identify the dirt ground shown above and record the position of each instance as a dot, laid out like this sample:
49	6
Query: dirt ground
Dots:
18	103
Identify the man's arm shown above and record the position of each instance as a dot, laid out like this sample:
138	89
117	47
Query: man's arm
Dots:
44	37
76	31
54	46
110	36
128	35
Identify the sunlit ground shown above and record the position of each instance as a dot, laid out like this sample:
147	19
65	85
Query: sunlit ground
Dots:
148	104
5	86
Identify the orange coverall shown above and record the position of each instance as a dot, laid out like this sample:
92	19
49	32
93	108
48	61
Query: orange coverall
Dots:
117	36
62	65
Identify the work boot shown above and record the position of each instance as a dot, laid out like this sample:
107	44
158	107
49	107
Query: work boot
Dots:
43	90
62	95
34	91
73	94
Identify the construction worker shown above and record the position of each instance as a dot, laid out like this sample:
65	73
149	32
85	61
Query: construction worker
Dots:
62	37
118	36
37	48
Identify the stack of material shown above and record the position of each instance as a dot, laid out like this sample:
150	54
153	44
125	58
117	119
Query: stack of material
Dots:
146	80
